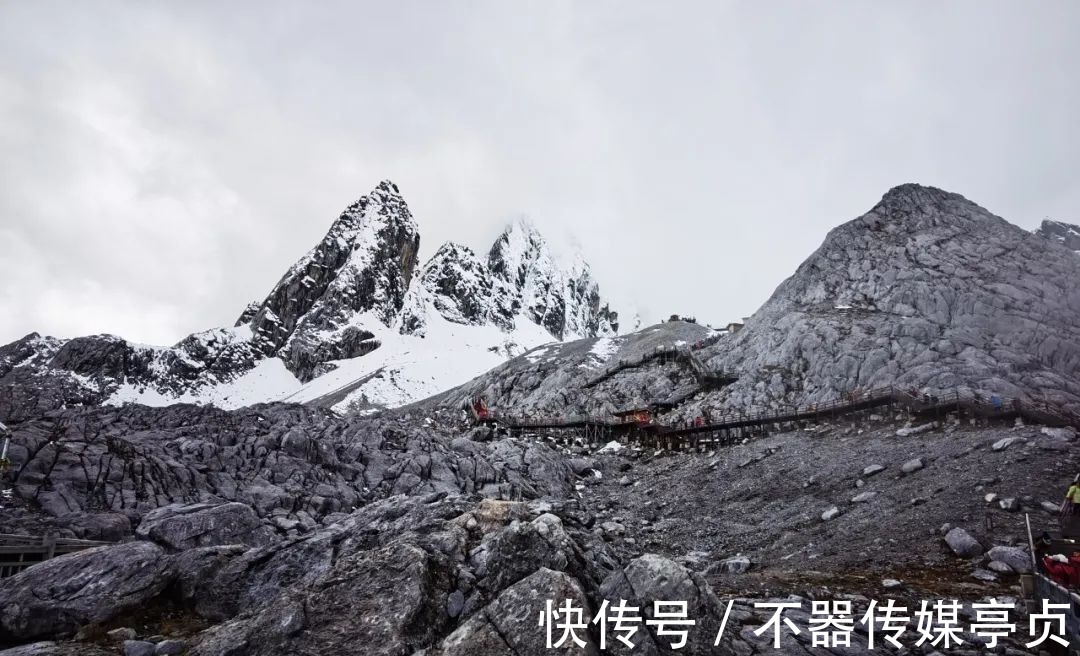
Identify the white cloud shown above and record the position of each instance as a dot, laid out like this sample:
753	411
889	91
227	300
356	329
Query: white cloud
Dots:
177	158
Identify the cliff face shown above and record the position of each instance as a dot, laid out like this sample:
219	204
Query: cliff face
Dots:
358	274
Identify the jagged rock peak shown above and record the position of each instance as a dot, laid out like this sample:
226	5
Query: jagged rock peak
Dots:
457	284
357	275
1066	234
558	294
522	279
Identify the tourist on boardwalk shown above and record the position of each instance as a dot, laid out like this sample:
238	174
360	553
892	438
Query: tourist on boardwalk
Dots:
1070	509
1071	506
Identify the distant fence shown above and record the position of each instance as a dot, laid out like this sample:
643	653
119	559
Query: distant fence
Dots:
17	552
982	405
701	372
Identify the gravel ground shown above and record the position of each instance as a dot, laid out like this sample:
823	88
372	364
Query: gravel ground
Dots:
765	499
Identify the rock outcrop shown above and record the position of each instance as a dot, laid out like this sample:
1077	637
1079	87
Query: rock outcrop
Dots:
358	275
55	598
187	526
1066	234
928	291
295	468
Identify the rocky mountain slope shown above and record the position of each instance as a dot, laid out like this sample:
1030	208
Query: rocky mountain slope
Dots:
281	529
287	529
926	291
360	292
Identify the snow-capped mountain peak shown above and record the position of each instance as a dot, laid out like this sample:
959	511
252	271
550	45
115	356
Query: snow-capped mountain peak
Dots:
556	292
355	322
359	273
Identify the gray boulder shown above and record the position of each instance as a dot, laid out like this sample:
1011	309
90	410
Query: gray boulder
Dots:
1006	442
962	544
1015	557
985	575
386	601
508	625
518	550
650	578
55	598
138	648
108	527
912	466
1050	506
736	565
180	526
122	634
170	648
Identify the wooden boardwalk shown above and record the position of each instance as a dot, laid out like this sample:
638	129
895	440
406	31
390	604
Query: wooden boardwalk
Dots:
735	427
17	552
707	378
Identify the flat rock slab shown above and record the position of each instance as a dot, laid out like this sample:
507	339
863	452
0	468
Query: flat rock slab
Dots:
55	598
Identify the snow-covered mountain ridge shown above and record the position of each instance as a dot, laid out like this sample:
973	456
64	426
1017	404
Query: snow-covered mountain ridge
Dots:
355	321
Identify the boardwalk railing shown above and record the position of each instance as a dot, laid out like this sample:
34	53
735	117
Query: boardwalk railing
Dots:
921	405
702	373
17	552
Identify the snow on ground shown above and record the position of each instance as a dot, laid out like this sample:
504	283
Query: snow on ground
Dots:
269	379
414	368
404	369
536	355
604	348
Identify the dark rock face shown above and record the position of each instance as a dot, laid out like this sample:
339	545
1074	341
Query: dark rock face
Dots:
508	624
1066	234
458	285
651	578
293	466
29	386
38	374
55	598
385	577
363	266
521	280
186	526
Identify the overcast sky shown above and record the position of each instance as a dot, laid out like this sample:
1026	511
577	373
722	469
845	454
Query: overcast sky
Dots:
162	164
